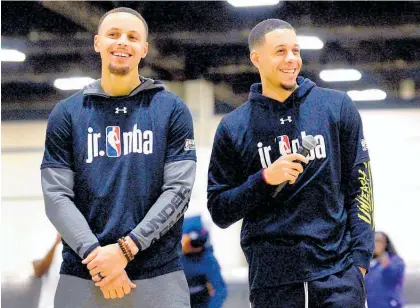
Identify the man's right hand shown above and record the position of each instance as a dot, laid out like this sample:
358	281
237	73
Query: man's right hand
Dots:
118	287
285	169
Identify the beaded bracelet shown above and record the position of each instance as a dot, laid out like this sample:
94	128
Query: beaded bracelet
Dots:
123	250
127	248
130	253
126	251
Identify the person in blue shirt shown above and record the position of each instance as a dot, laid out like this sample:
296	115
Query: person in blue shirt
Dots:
206	284
384	282
310	244
117	174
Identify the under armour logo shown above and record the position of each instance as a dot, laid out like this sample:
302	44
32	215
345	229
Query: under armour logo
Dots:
289	119
117	110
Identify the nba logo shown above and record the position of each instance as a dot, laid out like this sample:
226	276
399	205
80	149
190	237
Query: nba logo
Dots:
113	141
189	145
284	145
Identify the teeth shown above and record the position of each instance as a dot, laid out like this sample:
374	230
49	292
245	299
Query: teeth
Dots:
288	71
120	54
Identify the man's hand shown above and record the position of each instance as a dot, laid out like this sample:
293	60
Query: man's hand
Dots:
210	289
284	169
363	270
119	287
109	261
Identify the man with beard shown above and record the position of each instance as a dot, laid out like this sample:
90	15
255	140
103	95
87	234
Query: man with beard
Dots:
117	173
309	244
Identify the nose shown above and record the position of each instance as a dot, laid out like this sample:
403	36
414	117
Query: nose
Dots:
290	57
122	40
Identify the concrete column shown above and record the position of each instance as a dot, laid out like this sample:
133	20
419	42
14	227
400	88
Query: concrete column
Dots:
199	97
176	87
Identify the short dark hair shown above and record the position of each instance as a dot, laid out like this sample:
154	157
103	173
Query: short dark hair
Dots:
125	10
257	34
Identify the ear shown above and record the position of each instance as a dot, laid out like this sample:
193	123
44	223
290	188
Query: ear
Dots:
96	43
145	50
255	58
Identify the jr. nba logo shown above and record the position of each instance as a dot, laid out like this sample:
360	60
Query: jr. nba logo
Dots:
113	141
284	145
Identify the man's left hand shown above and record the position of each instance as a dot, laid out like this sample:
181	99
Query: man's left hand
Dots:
119	287
109	261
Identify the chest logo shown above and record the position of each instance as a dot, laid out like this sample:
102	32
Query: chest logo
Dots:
288	119
118	110
117	143
113	141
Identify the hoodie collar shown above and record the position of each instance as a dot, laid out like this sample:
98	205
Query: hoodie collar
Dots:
95	88
305	86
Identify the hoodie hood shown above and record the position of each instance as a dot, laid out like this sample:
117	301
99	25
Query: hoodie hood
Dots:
305	86
146	84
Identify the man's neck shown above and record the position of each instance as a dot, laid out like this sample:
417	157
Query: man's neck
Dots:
276	92
115	85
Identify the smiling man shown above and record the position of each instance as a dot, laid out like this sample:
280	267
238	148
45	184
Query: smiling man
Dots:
310	244
117	175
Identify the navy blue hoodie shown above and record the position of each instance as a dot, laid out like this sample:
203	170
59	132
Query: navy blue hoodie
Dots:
118	150
315	227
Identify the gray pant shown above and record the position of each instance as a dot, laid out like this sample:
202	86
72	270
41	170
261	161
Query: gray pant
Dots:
166	291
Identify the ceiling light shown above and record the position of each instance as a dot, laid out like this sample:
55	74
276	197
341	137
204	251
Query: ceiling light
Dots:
11	55
309	42
247	3
340	75
367	95
74	83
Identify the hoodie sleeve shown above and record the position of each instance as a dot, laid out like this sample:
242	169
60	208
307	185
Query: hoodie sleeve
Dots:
230	195
178	180
57	178
181	143
357	183
57	186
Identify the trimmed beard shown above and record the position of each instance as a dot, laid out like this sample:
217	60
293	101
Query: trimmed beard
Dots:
288	88
120	71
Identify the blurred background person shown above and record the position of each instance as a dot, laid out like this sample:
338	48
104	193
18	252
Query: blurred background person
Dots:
384	282
206	284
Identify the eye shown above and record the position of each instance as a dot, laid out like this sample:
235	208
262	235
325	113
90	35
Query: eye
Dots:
133	38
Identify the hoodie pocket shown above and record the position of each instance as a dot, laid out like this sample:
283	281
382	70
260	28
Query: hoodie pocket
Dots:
271	265
360	277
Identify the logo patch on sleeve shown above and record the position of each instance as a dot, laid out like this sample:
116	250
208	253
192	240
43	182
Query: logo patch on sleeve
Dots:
364	145
189	145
